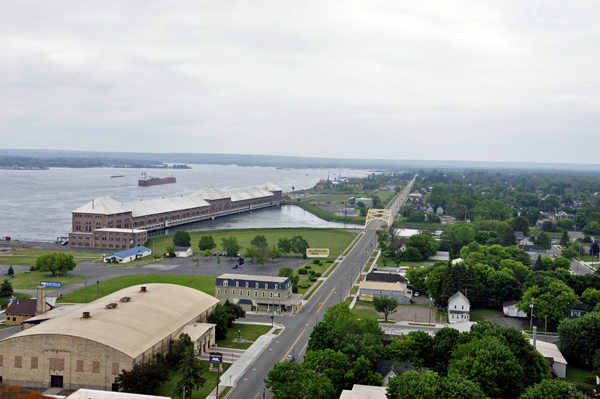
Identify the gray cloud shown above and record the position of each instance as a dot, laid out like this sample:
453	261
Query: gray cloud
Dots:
468	80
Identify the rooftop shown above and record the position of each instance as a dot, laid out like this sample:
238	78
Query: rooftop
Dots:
376	285
268	279
96	394
127	328
548	349
364	392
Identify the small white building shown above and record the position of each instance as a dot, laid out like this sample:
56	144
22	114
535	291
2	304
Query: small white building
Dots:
459	307
128	255
551	353
183	252
510	309
367	201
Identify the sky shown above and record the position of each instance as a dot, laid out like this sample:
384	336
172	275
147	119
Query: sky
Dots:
433	80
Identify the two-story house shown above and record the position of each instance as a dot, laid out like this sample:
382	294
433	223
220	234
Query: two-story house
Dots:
459	307
254	293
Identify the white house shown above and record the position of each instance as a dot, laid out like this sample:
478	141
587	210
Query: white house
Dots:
439	211
128	255
183	252
551	352
459	307
510	309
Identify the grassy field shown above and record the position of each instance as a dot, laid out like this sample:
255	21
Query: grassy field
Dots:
29	281
27	257
589	258
477	314
577	373
317	238
202	283
249	331
4	299
167	388
366	309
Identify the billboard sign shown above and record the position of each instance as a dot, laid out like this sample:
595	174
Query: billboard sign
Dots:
216	357
51	284
317	252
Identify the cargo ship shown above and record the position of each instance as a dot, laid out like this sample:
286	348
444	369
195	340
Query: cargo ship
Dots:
146	180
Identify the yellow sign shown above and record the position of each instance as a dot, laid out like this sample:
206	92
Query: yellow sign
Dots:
317	252
366	297
320	303
299	307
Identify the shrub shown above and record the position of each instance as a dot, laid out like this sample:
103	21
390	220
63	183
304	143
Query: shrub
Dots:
317	262
317	274
311	272
307	267
313	279
302	271
330	261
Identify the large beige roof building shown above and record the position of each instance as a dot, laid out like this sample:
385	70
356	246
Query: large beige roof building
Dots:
87	346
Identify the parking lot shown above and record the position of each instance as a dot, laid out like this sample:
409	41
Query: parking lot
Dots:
413	314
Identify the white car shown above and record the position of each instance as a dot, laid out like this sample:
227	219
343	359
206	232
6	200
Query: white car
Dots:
416	293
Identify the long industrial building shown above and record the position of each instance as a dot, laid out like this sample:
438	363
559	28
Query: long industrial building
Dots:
106	223
88	345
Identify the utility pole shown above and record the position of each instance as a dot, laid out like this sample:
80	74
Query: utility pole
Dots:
546	328
531	319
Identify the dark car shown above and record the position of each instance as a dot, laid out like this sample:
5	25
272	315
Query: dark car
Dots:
235	266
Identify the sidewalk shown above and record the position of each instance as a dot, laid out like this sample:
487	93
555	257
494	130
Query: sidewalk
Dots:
229	378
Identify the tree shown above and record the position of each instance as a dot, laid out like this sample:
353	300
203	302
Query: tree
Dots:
11	271
182	239
424	243
569	253
414	347
444	342
489	363
274	252
259	240
417	278
262	255
591	297
564	239
295	381
385	305
554	300
191	374
218	260
144	378
230	246
207	253
552	389
544	240
234	310
595	249
508	238
299	245
414	385
177	349
56	263
562	263
206	243
398	257
412	255
222	319
548	226
579	337
538	266
284	244
521	224
170	249
6	289
288	272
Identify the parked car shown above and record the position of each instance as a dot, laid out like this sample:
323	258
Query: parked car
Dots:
416	293
235	266
289	358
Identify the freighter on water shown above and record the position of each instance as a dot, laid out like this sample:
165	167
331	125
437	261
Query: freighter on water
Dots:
146	180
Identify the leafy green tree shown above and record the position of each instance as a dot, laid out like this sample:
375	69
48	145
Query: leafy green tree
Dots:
191	374
564	239
259	240
553	300
385	305
170	249
521	224
552	389
417	278
299	245
284	244
144	378
177	349
234	310
182	239
544	240
519	271
548	226
262	255
11	271
424	243
591	297
412	255
579	337
562	263
222	319
444	342
569	253
428	385
502	286
295	381
331	364
508	238
230	246
207	243
288	272
414	347
489	363
218	260
6	289
274	252
207	253
56	263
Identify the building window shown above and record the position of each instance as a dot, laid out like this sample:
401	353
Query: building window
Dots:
225	283
266	286
115	368
18	362
263	294
248	293
247	284
232	292
225	291
276	286
218	291
463	306
256	286
271	295
79	368
255	293
34	362
237	283
454	306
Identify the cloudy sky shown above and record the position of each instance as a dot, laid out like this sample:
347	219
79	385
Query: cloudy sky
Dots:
445	80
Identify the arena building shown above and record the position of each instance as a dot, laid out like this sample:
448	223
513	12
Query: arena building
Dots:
88	345
106	223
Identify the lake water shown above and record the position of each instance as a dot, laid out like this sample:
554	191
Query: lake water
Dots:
37	205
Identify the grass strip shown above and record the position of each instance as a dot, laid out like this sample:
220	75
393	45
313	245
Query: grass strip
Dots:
166	389
250	332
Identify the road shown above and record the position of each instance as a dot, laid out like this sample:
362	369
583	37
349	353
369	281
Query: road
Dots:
298	328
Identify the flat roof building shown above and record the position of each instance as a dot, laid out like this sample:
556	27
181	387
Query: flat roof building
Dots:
88	345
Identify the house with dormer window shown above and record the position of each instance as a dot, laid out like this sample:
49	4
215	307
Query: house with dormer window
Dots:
459	307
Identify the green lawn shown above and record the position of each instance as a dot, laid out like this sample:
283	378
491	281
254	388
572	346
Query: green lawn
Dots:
317	268
477	314
333	239
29	281
391	263
366	309
249	331
577	373
4	299
202	283
589	258
315	210
27	257
167	388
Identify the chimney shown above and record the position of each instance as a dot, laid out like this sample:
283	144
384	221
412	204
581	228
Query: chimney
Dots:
40	307
534	335
86	315
143	289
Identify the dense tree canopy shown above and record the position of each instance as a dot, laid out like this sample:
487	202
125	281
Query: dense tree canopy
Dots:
56	263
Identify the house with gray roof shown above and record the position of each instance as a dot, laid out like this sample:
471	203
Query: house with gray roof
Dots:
459	307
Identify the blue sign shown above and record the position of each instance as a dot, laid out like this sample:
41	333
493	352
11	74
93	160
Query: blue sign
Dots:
51	284
216	359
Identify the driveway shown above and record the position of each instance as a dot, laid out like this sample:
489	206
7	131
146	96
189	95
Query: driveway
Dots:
413	314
